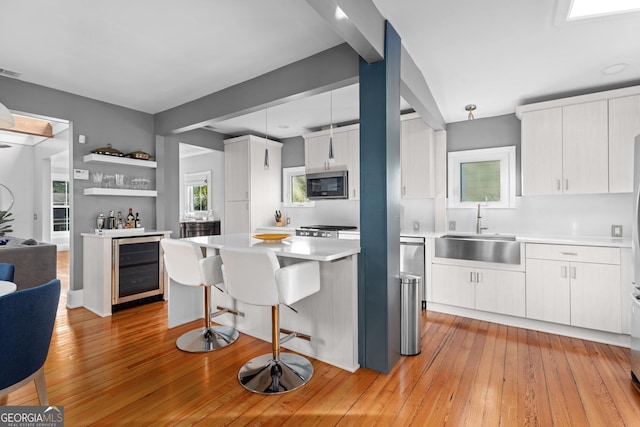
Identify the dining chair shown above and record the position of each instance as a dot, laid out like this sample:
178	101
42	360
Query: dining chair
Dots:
26	325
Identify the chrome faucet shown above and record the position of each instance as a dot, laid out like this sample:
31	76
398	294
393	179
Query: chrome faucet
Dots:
479	226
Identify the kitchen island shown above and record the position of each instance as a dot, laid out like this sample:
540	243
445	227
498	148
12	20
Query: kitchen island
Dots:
330	316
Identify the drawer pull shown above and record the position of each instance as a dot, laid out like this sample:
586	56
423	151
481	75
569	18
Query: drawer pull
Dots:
573	272
563	271
569	253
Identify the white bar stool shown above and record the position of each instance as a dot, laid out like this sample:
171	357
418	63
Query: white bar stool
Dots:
186	265
255	277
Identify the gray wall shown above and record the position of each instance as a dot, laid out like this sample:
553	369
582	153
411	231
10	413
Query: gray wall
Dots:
102	123
499	131
168	156
292	152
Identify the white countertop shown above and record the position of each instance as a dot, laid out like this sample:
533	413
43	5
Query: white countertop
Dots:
310	248
130	232
526	238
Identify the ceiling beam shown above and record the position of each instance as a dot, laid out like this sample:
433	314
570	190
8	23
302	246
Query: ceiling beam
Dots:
415	90
362	26
327	70
358	22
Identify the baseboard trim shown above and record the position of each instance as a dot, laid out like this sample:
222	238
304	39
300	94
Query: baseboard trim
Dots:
75	299
621	340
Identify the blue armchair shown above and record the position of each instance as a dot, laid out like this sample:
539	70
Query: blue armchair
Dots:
6	271
26	326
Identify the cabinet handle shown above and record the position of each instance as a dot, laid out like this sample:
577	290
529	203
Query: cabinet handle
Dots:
566	184
563	271
246	195
573	272
404	190
558	184
354	193
569	253
471	277
478	277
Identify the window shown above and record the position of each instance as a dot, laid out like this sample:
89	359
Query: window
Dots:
294	187
197	191
60	202
484	176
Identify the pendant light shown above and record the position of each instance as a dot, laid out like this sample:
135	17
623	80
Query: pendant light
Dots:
6	118
266	148
470	108
331	158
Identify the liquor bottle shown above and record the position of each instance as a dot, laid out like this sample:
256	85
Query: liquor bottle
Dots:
120	222
138	225
111	223
131	221
100	221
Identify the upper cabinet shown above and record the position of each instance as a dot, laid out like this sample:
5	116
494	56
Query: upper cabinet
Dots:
624	126
252	191
345	145
585	150
580	145
417	159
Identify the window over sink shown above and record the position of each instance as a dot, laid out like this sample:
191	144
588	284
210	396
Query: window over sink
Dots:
486	176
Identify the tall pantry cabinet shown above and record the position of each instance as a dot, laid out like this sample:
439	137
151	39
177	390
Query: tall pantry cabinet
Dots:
252	191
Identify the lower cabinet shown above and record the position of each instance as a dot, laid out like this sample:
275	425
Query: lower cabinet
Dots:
574	285
496	291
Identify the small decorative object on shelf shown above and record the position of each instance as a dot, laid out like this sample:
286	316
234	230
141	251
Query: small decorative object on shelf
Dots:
139	154
108	151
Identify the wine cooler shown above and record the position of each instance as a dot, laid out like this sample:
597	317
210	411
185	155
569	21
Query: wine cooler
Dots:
137	269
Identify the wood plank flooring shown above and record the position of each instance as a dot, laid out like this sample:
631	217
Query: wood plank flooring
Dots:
126	370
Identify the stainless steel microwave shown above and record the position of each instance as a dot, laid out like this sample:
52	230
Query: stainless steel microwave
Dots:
328	185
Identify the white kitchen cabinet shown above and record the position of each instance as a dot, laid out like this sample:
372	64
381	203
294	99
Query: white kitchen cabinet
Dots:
496	291
236	170
548	291
252	192
595	133
576	285
417	159
585	148
565	150
346	154
542	152
624	125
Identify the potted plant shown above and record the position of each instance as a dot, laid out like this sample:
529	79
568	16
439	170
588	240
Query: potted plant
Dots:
4	219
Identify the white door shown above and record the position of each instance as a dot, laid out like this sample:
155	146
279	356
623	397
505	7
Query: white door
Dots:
499	291
453	285
595	296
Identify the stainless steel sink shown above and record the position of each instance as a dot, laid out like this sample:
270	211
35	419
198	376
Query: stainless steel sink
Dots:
479	247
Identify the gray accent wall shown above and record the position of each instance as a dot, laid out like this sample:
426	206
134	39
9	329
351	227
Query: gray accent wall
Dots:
499	131
101	123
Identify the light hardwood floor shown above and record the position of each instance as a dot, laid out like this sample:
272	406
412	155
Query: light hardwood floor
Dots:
126	370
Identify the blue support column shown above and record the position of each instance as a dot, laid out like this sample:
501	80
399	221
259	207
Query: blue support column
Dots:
379	275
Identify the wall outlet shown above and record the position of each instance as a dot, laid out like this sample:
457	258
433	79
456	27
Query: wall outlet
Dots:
416	225
616	231
452	226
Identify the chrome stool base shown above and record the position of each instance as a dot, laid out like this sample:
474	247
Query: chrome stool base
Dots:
207	339
264	375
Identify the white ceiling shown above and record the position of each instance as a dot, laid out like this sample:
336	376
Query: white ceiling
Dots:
151	55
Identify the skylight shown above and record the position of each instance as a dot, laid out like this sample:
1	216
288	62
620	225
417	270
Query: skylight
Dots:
581	9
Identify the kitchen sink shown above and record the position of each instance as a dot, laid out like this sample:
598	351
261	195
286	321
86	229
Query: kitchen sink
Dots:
479	247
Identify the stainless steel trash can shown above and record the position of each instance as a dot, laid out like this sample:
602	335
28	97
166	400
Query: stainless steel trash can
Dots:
410	342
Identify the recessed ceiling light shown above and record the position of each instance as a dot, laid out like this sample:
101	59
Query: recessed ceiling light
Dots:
615	69
591	8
